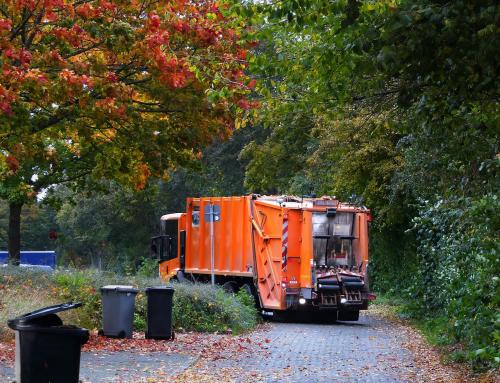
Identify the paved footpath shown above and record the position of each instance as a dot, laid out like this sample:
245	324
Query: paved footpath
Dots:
371	350
123	367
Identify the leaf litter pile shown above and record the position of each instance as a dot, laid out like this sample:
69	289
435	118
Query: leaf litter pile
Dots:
429	359
208	346
7	352
203	346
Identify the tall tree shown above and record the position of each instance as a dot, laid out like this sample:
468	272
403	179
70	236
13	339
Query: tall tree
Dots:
121	89
404	99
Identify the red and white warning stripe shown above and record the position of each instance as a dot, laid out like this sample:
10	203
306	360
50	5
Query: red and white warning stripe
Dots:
284	244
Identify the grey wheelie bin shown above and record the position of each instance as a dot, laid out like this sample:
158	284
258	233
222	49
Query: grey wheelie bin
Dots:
118	303
46	350
159	312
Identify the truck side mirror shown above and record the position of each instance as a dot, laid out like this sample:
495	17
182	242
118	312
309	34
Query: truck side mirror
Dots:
155	248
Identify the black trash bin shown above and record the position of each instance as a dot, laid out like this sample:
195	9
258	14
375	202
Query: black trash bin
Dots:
159	312
46	350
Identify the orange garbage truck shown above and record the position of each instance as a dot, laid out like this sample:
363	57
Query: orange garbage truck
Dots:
291	253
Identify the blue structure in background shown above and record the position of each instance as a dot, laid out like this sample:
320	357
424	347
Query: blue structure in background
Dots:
43	259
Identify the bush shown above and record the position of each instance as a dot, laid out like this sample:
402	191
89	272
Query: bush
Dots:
203	307
79	286
458	273
197	307
148	268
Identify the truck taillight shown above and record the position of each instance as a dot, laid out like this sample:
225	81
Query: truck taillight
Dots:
371	297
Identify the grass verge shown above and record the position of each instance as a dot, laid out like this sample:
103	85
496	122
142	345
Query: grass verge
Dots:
435	330
197	307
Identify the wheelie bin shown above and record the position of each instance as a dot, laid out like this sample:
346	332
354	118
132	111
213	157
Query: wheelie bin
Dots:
159	321
118	303
46	349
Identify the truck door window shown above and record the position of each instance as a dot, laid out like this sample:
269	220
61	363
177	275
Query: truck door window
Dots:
170	239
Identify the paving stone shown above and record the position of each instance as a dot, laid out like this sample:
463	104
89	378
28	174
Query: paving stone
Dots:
365	351
124	366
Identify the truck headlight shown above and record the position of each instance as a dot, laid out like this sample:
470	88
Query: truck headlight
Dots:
302	301
343	300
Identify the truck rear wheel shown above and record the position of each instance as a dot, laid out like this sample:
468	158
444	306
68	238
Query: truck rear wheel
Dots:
250	291
348	316
247	288
230	287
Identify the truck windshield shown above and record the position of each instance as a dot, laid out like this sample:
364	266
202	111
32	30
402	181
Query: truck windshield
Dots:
332	239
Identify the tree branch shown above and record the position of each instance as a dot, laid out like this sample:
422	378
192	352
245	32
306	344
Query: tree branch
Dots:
21	26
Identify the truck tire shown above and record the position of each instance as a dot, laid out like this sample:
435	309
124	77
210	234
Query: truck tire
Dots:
348	316
230	287
250	291
247	288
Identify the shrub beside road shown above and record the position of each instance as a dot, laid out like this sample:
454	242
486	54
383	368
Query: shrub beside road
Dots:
197	307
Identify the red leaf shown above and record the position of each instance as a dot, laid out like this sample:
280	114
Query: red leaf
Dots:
12	163
154	20
242	54
5	25
243	104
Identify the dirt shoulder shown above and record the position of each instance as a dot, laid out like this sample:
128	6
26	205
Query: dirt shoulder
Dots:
431	360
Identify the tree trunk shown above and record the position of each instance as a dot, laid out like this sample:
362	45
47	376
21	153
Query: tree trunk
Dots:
15	233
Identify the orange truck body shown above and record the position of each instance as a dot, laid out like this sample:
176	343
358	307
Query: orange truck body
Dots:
291	253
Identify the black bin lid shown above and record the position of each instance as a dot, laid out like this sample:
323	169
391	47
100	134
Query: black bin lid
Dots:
159	288
28	317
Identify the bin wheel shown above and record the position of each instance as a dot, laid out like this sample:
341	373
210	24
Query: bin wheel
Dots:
121	334
100	332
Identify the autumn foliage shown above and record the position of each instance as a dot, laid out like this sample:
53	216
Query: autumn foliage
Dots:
121	89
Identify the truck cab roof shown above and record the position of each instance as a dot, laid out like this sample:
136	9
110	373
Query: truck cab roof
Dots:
171	216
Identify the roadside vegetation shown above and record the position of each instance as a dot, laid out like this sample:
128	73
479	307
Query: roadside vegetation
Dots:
389	104
394	105
435	329
197	307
